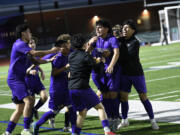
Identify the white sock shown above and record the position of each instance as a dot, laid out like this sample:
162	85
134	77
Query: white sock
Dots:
153	120
107	129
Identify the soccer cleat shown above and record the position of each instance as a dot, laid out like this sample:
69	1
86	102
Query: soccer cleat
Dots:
52	122
124	123
35	128
6	133
67	129
116	122
26	132
154	125
73	134
109	133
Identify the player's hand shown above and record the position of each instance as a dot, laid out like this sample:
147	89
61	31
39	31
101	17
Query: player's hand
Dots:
88	47
53	58
98	60
67	66
98	93
93	40
106	53
109	69
55	49
33	72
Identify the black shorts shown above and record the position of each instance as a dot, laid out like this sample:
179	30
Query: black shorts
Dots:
16	101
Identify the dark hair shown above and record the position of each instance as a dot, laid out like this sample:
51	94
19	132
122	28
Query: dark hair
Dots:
77	41
59	43
65	37
21	28
104	23
131	24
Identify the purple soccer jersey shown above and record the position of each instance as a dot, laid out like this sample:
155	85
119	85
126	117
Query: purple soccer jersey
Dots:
34	83
59	93
112	81
109	43
17	69
18	63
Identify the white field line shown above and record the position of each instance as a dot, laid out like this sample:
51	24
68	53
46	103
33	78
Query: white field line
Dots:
6	91
151	70
133	95
161	56
3	86
162	61
162	94
6	95
164	78
164	53
165	97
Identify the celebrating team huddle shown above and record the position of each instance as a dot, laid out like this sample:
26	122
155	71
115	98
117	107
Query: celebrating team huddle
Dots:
111	56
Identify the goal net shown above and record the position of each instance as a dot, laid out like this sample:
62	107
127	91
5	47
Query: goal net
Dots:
172	22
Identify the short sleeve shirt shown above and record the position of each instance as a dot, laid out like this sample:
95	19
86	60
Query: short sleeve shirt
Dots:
19	60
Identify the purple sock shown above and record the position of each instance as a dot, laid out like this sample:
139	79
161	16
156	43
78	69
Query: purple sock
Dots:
148	107
44	118
107	107
73	127
73	118
66	121
78	131
124	109
39	104
27	122
11	126
105	123
115	107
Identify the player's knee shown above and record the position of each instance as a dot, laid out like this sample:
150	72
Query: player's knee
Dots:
105	95
29	100
99	106
142	96
124	96
113	94
19	112
83	113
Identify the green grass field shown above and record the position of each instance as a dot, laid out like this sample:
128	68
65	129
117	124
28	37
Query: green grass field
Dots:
162	71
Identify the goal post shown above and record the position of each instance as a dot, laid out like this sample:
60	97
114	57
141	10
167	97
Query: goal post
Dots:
172	21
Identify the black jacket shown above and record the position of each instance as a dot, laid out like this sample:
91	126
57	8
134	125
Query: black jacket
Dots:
81	65
129	57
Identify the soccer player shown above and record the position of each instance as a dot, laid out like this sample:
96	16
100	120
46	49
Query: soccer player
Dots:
132	74
59	93
83	97
33	80
16	78
108	46
164	31
66	128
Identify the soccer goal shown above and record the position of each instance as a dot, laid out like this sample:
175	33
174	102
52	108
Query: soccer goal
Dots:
172	21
